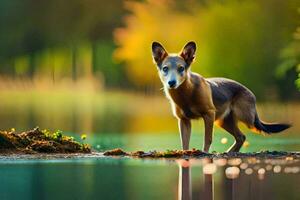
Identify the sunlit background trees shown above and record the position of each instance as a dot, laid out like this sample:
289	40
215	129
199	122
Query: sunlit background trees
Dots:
242	40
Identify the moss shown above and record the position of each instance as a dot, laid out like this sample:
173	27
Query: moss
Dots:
195	153
156	154
36	141
115	152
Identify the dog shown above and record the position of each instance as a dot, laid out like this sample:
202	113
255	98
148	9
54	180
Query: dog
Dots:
216	100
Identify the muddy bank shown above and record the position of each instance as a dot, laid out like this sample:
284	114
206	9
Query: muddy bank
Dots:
44	144
37	141
195	153
156	155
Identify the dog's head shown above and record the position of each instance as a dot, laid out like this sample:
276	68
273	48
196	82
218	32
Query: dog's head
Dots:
173	68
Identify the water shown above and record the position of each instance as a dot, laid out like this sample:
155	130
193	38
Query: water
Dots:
109	112
110	178
139	123
131	178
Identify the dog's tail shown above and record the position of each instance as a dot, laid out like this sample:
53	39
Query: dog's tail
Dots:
269	128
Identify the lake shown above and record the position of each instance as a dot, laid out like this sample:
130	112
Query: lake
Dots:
135	122
126	178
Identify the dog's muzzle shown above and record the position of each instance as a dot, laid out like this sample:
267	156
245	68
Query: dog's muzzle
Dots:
172	83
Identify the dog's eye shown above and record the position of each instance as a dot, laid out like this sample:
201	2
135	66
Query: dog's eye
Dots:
165	69
180	69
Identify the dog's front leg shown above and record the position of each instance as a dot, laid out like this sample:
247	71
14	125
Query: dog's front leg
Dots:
185	132
209	119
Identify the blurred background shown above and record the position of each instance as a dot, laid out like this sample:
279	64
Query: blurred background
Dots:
85	66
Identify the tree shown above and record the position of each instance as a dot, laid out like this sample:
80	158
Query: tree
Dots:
241	40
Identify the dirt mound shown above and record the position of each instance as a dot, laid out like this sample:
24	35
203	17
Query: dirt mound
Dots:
36	141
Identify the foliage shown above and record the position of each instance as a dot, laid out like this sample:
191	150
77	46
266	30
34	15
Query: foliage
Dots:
57	135
58	40
291	58
236	39
68	41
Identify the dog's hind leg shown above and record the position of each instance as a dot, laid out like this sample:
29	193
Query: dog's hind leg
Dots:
230	125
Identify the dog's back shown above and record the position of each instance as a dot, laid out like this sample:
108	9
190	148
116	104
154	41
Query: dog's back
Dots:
230	98
225	90
235	100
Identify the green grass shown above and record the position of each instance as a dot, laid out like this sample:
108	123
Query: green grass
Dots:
165	141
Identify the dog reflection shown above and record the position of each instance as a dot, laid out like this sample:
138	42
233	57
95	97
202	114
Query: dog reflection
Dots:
185	184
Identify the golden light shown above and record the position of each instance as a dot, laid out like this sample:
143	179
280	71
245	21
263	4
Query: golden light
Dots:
252	160
295	170
183	163
232	172
205	161
210	168
277	169
261	173
289	158
234	161
287	170
243	165
224	140
246	144
248	171
220	161
292	170
269	167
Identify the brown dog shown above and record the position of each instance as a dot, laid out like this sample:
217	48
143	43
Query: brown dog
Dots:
214	99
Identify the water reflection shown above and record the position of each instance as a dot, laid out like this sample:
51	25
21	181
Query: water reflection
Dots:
107	112
108	178
185	184
236	178
208	187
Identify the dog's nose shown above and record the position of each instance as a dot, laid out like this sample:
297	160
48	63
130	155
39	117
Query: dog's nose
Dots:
172	83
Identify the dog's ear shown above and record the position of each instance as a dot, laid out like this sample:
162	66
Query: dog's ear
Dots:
188	52
158	53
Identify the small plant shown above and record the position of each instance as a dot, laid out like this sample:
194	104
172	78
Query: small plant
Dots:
83	136
57	135
46	133
36	141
